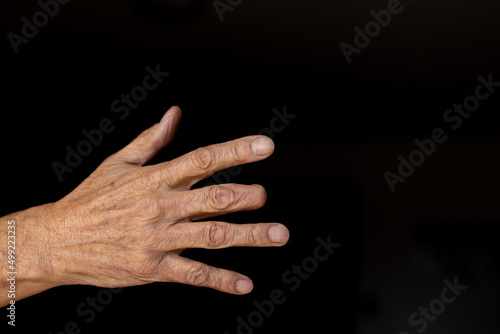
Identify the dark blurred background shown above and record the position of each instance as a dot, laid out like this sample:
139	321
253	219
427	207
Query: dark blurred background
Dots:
351	123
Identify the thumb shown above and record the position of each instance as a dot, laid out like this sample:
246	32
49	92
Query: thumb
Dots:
149	142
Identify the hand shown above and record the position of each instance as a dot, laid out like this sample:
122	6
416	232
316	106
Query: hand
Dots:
127	223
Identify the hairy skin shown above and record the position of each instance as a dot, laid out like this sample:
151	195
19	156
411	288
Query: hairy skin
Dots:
127	223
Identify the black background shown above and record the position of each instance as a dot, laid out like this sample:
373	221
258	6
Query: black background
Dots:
326	176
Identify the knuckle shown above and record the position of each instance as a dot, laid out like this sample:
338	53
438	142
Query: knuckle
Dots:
197	276
144	270
237	153
164	268
109	160
146	267
252	235
215	235
144	178
202	158
221	197
150	207
220	281
161	175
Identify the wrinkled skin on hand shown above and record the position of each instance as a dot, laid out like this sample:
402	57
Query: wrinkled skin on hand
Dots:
128	223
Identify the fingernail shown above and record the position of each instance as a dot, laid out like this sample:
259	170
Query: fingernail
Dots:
278	233
244	286
262	146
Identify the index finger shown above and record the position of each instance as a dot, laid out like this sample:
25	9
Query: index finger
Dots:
199	164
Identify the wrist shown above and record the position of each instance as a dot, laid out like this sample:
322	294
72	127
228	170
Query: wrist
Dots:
30	264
